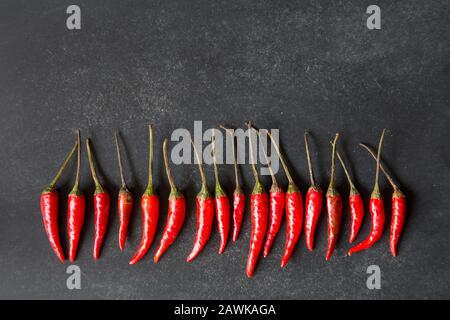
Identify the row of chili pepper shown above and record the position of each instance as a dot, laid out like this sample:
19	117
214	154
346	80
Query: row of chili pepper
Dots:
266	209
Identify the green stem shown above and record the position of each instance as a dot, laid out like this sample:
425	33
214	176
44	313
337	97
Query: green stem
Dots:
173	189
236	176
331	186
376	189
75	189
388	176
352	186
149	189
311	175
255	172
98	186
274	179
219	191
119	159
200	167
52	184
283	163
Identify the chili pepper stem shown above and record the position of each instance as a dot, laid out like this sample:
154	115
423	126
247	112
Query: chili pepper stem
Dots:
353	189
75	189
119	159
236	175
388	176
204	193
149	189
98	186
292	187
308	157
219	191
258	186
331	188
376	190
275	187
52	184
174	193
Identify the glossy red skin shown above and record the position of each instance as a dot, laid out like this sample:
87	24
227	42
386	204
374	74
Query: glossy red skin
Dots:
334	215
397	221
76	205
175	219
150	216
102	203
275	216
49	209
294	224
259	207
223	220
124	208
356	215
376	209
238	213
313	209
205	218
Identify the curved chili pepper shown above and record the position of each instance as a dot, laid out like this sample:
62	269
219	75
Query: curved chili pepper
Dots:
259	207
376	209
294	210
124	202
205	214
101	207
398	208
397	219
175	213
238	211
75	209
222	205
334	208
313	202
276	208
355	202
149	208
238	195
49	209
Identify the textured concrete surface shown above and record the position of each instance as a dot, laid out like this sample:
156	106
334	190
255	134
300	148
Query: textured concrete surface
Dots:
302	65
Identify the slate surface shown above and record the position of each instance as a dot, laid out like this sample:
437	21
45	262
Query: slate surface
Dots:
302	65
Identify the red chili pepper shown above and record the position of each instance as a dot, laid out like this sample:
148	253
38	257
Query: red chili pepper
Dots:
313	203
49	209
176	212
149	209
398	209
376	208
259	207
238	196
222	205
355	202
124	202
276	203
294	211
101	207
75	209
334	208
205	214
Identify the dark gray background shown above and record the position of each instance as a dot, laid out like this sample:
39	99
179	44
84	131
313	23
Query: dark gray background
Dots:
302	65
